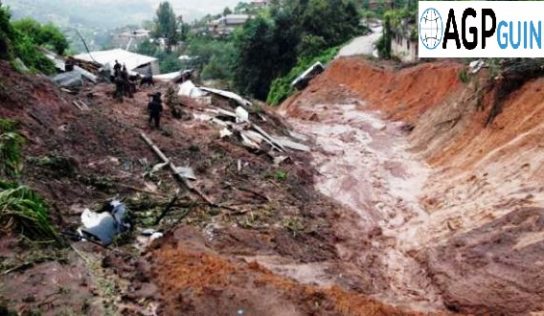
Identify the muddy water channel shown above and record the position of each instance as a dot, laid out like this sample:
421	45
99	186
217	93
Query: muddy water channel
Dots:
364	164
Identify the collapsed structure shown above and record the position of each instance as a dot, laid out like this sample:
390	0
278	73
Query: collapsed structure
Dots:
144	65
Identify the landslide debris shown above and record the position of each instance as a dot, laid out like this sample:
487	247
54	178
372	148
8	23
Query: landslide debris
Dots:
265	209
477	241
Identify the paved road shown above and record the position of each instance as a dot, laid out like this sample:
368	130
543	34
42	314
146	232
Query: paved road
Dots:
362	45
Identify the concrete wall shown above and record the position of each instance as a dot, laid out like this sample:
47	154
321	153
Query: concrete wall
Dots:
404	49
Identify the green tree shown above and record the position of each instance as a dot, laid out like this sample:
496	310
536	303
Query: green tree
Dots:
255	58
242	7
336	21
6	33
148	48
43	35
227	11
220	64
311	45
166	25
169	62
269	48
23	44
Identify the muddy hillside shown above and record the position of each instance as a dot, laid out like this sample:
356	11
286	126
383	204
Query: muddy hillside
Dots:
443	170
377	190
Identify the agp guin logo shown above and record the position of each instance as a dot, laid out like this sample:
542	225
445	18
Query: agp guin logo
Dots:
431	28
481	29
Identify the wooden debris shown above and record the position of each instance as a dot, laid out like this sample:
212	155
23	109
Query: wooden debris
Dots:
175	170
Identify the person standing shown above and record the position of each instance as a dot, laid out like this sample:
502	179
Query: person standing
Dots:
116	69
155	109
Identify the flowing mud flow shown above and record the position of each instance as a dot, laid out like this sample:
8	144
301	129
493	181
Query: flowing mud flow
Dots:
448	211
364	164
409	201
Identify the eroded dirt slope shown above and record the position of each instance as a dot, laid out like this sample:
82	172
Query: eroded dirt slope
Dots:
452	208
270	249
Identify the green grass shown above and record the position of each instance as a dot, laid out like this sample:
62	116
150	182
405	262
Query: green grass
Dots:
23	212
11	144
464	76
280	175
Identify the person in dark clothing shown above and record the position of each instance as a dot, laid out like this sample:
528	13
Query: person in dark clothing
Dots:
126	82
155	108
116	69
119	88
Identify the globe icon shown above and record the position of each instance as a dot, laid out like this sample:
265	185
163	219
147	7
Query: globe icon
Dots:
431	28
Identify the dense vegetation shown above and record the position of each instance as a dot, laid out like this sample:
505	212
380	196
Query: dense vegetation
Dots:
392	22
268	47
22	39
21	210
172	30
281	87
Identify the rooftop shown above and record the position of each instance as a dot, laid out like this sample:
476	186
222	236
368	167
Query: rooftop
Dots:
131	60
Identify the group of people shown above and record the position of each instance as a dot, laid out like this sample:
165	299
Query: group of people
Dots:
124	86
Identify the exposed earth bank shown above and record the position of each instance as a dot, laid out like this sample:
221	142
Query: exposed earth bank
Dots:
457	203
407	203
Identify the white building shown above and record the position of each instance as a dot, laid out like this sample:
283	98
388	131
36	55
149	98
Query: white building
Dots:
135	62
404	43
226	24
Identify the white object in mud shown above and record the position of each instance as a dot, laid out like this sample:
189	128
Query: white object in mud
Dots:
225	132
476	65
186	173
189	89
104	226
228	95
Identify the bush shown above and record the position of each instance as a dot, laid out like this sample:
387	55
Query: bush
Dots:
220	64
169	62
32	57
22	211
463	76
21	39
281	87
5	33
46	35
10	149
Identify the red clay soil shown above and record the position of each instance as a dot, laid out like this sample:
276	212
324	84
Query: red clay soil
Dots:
101	154
195	280
481	241
428	94
401	95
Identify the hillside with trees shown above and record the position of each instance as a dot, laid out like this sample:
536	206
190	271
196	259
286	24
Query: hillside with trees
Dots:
21	41
275	40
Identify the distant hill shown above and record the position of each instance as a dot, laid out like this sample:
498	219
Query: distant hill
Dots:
108	14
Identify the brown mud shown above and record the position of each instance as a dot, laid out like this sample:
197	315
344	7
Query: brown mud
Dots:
244	256
465	234
407	203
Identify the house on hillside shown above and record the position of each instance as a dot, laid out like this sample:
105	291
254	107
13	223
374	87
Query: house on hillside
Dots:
226	24
130	38
135	62
260	3
380	4
404	41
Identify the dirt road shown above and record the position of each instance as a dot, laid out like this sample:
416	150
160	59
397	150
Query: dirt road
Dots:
363	45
